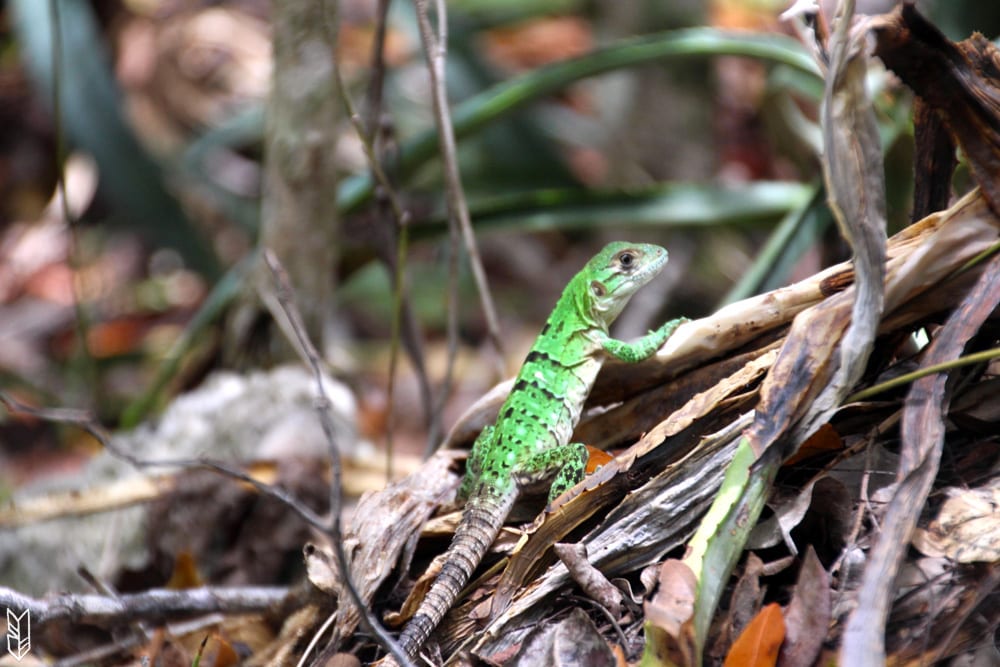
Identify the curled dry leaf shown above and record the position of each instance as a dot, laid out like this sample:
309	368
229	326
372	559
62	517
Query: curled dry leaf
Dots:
669	616
590	579
967	528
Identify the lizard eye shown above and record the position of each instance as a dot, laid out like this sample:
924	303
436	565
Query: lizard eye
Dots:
626	259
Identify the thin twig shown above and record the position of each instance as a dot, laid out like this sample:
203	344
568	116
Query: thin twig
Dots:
435	52
374	110
398	268
454	239
433	433
371	136
607	614
283	292
402	248
447	382
368	147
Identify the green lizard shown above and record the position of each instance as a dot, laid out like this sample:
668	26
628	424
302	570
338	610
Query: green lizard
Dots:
530	441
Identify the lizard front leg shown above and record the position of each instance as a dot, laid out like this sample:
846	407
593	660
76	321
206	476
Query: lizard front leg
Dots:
643	348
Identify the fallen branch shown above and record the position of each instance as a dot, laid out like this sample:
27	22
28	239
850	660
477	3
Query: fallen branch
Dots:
157	605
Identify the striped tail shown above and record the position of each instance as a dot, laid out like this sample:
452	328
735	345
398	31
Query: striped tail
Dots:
482	520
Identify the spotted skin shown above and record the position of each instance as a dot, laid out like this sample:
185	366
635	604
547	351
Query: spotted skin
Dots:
529	445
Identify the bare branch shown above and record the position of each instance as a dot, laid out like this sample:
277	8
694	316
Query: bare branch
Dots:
590	579
155	605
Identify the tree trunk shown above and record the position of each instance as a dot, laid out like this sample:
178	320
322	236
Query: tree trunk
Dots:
299	217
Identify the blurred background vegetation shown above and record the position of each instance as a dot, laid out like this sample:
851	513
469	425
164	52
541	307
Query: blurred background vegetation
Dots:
690	124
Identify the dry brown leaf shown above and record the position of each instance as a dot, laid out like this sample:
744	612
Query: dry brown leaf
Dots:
967	527
670	615
570	641
744	603
807	615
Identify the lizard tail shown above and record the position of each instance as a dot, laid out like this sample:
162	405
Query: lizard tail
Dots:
481	522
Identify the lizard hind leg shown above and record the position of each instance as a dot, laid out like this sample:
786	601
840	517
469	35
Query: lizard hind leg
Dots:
474	464
568	464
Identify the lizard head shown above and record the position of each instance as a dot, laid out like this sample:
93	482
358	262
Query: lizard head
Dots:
617	272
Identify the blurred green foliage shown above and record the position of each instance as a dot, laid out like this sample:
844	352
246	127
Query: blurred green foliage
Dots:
517	134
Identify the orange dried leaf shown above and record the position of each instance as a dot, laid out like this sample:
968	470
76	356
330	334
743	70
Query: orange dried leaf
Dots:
760	641
110	339
185	574
536	42
597	459
225	655
826	439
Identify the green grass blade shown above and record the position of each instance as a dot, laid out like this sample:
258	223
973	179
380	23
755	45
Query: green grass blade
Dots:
506	97
664	205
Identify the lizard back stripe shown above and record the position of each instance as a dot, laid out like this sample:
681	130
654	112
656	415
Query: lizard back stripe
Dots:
537	355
